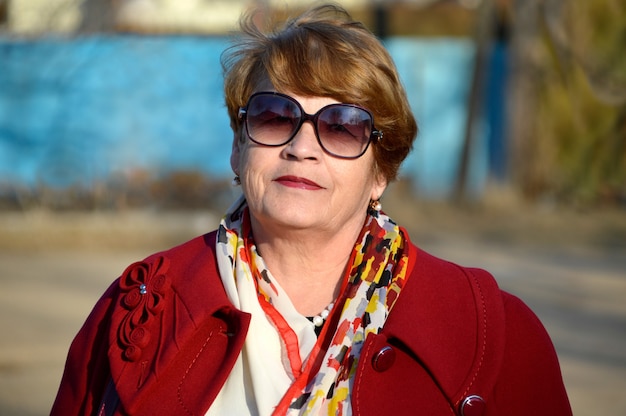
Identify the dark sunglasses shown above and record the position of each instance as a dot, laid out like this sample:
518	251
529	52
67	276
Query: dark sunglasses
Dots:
342	130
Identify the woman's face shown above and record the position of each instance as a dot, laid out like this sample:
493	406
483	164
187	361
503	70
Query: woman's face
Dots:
299	186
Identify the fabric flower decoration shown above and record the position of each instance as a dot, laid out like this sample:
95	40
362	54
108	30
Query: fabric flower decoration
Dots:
143	286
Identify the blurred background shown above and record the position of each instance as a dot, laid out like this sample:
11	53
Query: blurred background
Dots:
115	142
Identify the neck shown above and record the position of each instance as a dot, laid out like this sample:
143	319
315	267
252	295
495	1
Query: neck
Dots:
308	265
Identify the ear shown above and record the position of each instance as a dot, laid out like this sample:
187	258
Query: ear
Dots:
235	153
378	187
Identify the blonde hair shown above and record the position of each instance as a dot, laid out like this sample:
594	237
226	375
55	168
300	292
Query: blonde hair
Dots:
325	53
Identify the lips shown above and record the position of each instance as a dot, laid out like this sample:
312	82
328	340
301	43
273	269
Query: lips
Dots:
298	182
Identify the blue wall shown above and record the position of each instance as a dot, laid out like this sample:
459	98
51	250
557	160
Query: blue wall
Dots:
76	110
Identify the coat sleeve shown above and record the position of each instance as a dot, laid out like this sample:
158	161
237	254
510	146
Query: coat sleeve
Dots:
86	372
530	380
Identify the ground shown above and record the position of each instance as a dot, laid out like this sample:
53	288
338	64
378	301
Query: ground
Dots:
568	265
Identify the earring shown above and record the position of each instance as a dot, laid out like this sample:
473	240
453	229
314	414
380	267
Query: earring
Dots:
236	181
376	205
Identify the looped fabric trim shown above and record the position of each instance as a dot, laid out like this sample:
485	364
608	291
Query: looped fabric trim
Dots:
143	286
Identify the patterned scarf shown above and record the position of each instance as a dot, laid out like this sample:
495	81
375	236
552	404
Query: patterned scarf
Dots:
319	372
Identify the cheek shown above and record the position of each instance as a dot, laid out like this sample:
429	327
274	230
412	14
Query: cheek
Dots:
359	175
252	170
354	186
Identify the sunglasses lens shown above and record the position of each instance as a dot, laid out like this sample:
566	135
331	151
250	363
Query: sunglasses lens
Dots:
344	130
271	120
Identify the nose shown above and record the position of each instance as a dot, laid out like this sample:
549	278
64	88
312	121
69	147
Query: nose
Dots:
304	144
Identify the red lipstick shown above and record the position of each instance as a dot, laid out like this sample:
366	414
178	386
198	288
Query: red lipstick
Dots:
298	182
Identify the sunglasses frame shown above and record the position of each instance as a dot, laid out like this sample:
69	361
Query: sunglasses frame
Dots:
375	136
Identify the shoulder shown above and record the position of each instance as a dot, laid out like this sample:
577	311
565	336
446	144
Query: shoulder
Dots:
530	366
171	326
179	275
170	307
447	288
148	304
445	332
451	316
199	251
181	267
529	348
475	338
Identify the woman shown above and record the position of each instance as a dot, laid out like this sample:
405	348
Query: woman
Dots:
308	299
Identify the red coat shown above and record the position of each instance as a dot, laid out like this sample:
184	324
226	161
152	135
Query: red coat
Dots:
454	344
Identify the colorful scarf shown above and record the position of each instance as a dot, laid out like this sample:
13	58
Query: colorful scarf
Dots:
314	374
